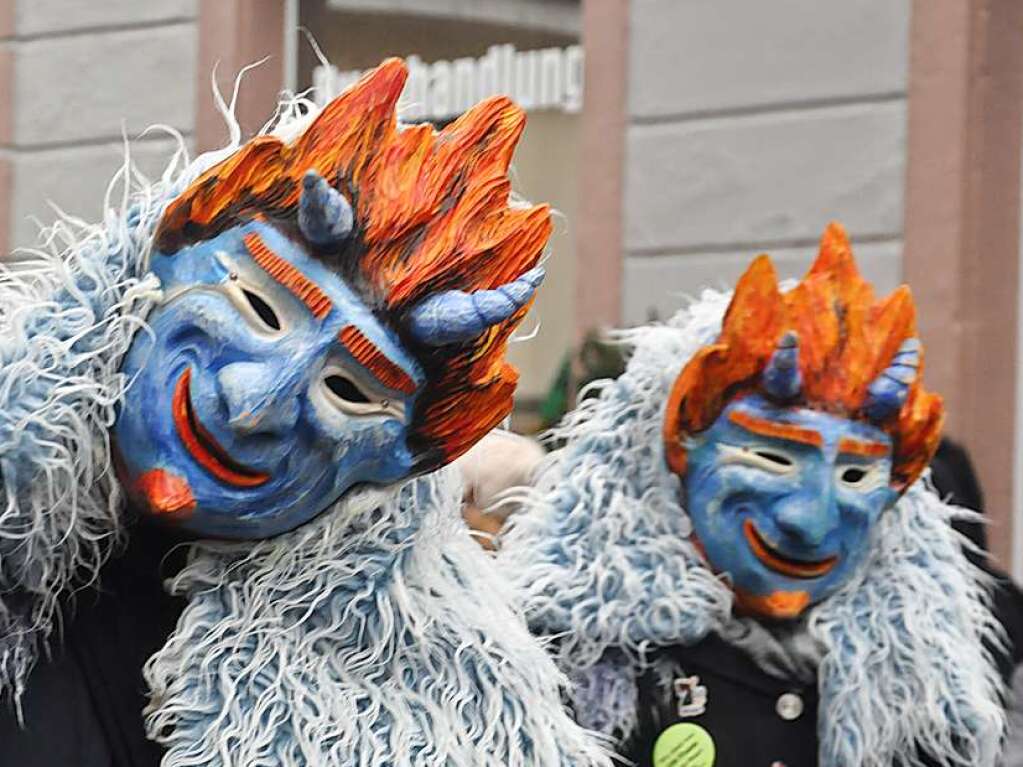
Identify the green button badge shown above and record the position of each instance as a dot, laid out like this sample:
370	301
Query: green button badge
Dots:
684	745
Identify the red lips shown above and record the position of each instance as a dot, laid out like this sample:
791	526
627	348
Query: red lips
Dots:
201	445
773	559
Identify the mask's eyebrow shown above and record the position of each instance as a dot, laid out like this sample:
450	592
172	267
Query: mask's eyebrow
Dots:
375	361
775	429
852	446
304	289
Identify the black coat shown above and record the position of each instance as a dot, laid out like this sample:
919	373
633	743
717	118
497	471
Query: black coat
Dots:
84	707
755	720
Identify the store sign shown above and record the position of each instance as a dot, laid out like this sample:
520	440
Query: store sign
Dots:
551	78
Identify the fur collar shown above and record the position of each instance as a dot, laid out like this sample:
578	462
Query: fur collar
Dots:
378	634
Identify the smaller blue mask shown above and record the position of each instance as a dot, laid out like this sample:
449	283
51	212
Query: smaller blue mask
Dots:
784	500
265	390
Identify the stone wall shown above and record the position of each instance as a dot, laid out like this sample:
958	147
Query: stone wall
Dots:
76	75
750	126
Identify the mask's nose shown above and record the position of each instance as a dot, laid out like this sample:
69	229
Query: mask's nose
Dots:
260	398
808	516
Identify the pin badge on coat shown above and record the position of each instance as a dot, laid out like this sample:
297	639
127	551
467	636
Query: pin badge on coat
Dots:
691	696
684	744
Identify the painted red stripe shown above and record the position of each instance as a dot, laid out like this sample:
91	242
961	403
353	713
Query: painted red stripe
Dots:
304	289
374	360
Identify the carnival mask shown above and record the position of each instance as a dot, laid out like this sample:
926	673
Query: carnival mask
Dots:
799	428
307	343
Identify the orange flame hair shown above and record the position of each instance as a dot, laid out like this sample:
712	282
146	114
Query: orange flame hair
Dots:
846	339
431	212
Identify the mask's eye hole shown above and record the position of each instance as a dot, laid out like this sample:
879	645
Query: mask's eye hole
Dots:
776	458
853	475
345	389
350	397
263	309
764	458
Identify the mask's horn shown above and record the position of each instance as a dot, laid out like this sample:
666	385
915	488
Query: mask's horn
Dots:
888	392
324	215
781	378
455	316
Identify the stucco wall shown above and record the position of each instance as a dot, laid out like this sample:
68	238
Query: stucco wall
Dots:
557	16
750	125
77	74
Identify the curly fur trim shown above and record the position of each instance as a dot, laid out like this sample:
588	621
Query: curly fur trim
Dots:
600	553
380	634
604	697
908	640
68	312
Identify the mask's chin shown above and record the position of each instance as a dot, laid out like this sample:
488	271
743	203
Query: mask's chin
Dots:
778	605
792	597
160	493
357	500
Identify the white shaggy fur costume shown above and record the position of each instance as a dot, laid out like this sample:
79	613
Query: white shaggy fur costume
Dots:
378	634
601	551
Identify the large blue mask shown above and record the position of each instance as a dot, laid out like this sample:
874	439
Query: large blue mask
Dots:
252	407
784	500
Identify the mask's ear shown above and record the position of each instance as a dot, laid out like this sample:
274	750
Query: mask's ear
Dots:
455	316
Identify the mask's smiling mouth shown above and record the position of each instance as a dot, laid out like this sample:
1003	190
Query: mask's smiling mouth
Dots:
775	560
201	445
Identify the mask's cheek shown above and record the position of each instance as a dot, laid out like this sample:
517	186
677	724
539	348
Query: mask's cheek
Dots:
860	514
174	339
205	316
370	453
144	419
369	448
322	475
702	506
712	508
858	522
726	493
